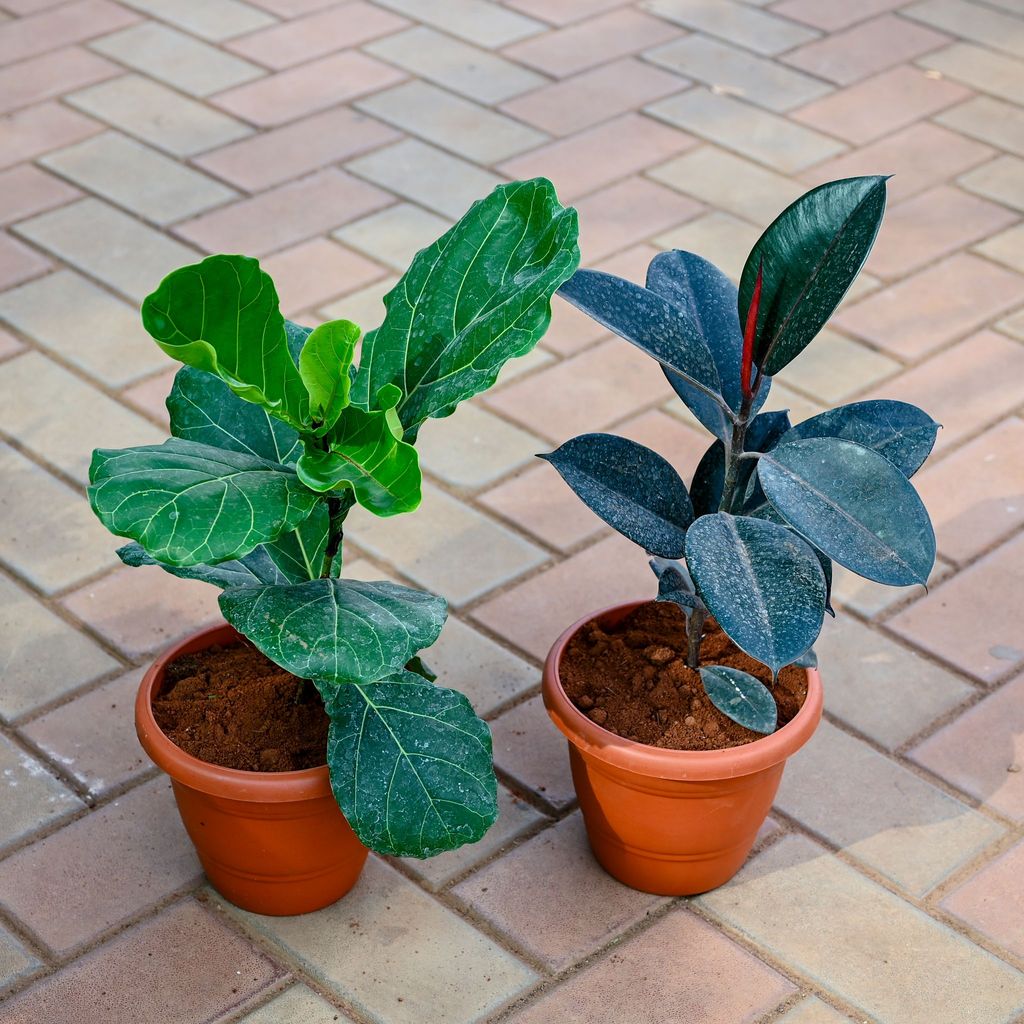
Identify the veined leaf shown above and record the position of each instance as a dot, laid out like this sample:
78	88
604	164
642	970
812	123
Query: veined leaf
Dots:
336	630
762	583
810	255
410	766
674	583
222	316
251	570
324	362
187	503
854	505
299	555
741	697
479	296
632	488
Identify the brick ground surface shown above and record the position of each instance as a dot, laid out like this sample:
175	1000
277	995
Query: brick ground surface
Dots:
333	138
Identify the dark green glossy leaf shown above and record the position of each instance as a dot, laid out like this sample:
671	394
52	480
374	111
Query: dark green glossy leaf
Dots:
674	583
741	697
299	555
761	582
708	480
187	503
479	296
222	316
417	666
854	505
324	363
810	254
807	660
410	766
336	630
252	570
630	487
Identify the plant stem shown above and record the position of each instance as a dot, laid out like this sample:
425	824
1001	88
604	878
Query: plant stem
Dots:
694	634
338	506
733	451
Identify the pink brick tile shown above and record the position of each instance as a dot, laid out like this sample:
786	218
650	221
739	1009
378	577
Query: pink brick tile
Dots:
18	262
149	396
58	886
295	149
36	130
9	344
982	751
880	105
278	99
848	56
972	620
680	962
681	445
23	7
566	11
41	78
921	313
49	30
565	107
304	39
25	190
579	909
287	214
631	263
293	8
600	155
832	15
570	329
595	41
181	967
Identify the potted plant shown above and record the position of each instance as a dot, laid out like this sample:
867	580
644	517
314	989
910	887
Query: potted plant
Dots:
680	713
324	707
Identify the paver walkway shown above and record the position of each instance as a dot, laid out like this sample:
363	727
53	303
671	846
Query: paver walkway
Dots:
334	139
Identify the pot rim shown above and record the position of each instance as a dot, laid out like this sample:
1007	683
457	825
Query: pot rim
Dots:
213	779
597	742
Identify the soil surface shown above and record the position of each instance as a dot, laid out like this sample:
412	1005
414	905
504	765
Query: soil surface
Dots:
632	679
234	707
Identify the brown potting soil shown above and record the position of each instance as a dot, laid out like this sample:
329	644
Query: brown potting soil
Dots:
234	707
632	679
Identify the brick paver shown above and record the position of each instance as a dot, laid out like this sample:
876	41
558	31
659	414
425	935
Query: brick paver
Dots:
334	138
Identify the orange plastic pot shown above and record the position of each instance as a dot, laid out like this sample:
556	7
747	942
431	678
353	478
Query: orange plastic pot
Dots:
672	822
271	842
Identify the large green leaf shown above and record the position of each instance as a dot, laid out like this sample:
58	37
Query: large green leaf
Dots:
762	583
336	630
410	766
187	503
221	315
810	255
251	570
740	696
324	363
854	505
477	297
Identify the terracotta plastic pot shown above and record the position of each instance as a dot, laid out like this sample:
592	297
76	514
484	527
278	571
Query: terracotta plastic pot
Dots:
270	842
672	822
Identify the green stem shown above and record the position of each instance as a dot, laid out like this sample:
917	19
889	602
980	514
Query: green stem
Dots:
338	506
694	635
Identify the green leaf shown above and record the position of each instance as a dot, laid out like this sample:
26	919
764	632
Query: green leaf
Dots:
187	503
336	630
674	583
811	254
323	366
410	767
741	697
299	555
632	488
854	505
251	570
479	296
761	582
222	316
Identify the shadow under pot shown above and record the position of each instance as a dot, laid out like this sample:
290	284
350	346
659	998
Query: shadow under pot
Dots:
672	822
270	842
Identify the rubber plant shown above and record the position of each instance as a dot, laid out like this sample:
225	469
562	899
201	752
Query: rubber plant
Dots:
771	505
277	434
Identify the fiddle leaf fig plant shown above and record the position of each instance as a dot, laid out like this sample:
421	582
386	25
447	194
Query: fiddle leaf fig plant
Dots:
771	505
277	433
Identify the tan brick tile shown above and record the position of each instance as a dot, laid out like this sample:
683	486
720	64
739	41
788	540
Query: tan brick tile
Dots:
998	180
833	368
23	7
738	23
297	1003
570	329
680	962
813	1011
142	610
284	215
989	120
16	962
877	106
25	190
18	262
587	44
631	263
33	798
292	8
872	46
421	953
827	920
979	68
449	121
590	97
729	183
364	307
149	396
177	59
565	12
426	175
9	344
720	237
394	235
477	21
923	312
522	366
971	21
459	66
992	589
49	30
533	614
669	437
27	133
131	979
981	751
873	599
737	72
108	244
210	19
781	397
831	15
